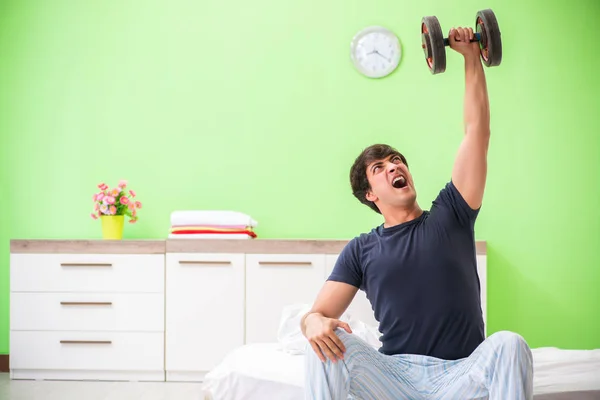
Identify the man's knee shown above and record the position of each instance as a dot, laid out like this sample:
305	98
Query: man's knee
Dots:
515	343
345	337
352	342
508	338
354	346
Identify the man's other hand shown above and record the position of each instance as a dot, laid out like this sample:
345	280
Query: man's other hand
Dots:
320	332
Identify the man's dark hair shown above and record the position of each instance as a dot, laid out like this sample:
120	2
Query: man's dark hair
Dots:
358	173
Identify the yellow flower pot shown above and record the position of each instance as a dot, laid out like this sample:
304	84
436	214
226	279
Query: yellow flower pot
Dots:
112	227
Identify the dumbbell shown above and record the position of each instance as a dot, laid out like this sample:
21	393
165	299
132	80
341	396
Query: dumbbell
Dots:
487	34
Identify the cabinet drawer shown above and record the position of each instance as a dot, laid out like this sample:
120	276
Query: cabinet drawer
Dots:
87	312
87	273
95	351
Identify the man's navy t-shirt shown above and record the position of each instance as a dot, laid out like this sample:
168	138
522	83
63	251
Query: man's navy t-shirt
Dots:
421	279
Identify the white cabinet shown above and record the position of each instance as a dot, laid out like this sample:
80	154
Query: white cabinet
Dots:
204	312
156	310
87	316
274	281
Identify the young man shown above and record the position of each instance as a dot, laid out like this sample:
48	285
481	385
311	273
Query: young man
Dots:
419	272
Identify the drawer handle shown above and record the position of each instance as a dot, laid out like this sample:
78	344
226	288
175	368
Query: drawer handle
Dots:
295	263
86	341
86	303
85	265
205	262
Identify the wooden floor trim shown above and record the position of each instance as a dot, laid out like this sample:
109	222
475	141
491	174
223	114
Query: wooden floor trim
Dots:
4	363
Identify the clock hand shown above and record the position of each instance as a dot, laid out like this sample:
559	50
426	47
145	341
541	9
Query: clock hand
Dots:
381	55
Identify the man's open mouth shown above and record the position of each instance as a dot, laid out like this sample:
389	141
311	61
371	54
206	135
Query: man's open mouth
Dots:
399	182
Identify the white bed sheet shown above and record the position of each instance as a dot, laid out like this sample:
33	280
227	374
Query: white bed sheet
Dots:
267	371
257	371
559	370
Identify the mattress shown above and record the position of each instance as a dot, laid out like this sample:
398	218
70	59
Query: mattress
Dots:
268	371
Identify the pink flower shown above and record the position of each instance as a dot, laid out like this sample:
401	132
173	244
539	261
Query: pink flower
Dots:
110	200
133	220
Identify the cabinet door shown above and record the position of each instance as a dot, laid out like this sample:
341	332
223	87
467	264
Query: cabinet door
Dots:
361	306
204	311
274	281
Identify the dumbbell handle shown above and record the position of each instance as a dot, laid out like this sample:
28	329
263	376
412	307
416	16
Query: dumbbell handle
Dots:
476	38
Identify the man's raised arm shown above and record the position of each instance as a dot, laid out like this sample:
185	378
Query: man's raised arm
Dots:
470	167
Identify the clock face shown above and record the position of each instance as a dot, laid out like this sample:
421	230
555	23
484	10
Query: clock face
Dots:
375	52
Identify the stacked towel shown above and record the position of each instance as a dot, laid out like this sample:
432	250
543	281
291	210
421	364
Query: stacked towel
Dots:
211	224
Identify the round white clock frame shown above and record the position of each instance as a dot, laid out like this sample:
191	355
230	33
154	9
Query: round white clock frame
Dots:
375	51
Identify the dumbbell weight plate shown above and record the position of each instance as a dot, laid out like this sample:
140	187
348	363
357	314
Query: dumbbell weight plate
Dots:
433	44
491	43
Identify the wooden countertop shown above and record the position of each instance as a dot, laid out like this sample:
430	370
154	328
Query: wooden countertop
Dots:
161	246
88	246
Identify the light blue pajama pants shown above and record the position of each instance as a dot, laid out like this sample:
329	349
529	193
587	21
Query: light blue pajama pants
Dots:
501	368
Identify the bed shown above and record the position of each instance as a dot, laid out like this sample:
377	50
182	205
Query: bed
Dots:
266	371
259	371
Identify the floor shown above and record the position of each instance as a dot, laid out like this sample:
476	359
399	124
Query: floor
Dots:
71	390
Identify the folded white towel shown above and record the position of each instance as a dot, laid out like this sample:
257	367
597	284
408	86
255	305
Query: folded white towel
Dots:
237	236
211	217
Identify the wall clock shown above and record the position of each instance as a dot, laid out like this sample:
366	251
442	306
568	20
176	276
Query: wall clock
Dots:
375	51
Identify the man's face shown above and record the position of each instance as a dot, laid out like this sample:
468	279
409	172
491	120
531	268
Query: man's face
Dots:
391	184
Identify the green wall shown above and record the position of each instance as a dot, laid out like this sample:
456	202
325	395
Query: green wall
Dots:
254	106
